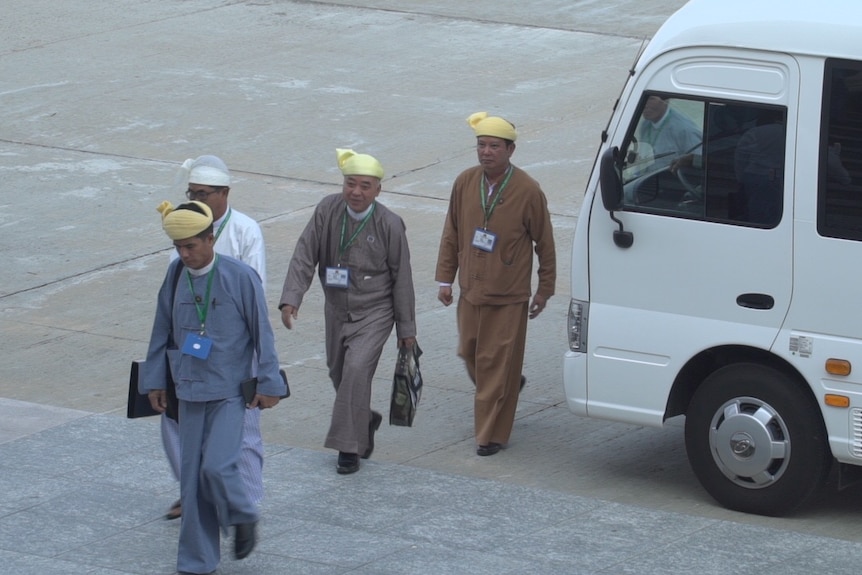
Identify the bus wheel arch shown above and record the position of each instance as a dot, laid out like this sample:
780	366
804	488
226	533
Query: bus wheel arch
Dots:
708	361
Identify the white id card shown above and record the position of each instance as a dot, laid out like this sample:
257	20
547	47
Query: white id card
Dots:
337	277
484	240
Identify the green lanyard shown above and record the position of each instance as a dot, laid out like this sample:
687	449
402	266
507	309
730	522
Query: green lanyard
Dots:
203	309
341	244
223	222
488	210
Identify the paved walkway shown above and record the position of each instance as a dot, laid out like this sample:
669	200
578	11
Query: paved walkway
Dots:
101	101
86	494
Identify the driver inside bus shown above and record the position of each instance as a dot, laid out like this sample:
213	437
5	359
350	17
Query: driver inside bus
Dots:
674	139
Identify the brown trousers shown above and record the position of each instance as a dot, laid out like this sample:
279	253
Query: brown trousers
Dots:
352	352
492	340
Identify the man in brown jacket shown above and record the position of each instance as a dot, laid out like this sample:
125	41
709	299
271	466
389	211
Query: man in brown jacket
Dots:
497	214
359	248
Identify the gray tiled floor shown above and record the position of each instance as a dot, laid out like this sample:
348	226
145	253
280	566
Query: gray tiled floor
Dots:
87	496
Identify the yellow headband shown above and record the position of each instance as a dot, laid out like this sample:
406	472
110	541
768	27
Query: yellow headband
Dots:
184	224
353	164
485	125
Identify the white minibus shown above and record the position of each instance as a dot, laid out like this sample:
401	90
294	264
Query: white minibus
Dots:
717	258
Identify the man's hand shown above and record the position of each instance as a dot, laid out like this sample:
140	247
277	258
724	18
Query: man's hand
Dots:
288	314
263	401
537	306
408	342
682	162
445	295
158	400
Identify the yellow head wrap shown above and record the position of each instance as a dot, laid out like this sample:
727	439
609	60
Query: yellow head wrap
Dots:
183	224
485	125
353	164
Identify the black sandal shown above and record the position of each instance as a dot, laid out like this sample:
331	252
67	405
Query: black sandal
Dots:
175	512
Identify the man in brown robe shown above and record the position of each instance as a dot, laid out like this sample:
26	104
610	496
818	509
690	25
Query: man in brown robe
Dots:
359	248
497	214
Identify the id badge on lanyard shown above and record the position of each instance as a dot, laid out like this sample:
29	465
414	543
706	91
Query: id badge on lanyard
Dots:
197	345
484	240
337	277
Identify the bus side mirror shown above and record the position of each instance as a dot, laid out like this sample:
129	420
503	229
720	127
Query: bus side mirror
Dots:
612	193
609	177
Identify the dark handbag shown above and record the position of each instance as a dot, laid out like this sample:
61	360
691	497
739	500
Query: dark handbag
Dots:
139	403
406	387
248	388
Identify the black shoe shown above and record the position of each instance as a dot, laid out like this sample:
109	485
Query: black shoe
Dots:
489	449
523	383
175	512
244	539
347	463
373	426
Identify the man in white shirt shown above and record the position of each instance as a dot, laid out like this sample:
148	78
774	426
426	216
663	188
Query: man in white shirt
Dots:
239	236
669	133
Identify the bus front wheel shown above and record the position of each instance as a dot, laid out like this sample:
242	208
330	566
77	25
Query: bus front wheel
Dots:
755	440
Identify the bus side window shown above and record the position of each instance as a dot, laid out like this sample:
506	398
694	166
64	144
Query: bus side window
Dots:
758	164
662	170
716	161
839	201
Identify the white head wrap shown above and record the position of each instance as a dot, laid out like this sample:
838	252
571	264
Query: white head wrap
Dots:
206	171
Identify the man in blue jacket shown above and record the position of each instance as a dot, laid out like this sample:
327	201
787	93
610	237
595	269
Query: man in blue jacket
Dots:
208	326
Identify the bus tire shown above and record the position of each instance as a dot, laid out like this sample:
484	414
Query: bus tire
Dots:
756	440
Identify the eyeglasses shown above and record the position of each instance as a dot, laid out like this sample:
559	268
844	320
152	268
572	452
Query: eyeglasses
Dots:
201	194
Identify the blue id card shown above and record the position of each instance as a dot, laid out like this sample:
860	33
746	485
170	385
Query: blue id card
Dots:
197	345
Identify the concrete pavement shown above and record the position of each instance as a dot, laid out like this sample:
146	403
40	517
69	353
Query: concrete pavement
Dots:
101	102
87	495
